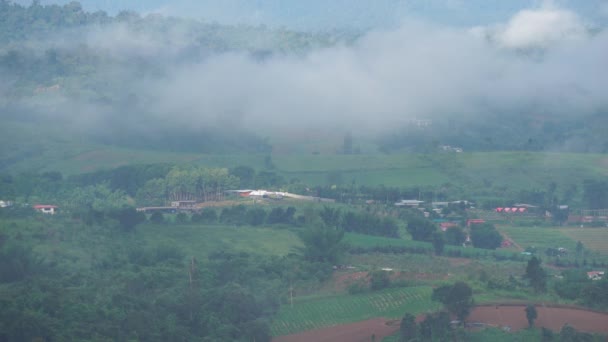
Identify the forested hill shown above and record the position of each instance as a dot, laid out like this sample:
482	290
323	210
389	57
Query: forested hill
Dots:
93	75
45	45
153	82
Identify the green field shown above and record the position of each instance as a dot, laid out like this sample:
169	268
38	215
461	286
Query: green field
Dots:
82	246
366	241
595	239
476	171
539	237
323	312
199	240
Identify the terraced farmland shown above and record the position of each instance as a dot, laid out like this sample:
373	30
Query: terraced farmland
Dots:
324	312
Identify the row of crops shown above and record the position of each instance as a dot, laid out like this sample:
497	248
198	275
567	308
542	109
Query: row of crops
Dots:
324	312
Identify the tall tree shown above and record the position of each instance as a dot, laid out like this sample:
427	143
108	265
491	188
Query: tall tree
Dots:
438	243
322	244
420	228
536	275
408	330
531	314
485	236
595	193
456	298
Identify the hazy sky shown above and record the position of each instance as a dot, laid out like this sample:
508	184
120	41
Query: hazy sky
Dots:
323	14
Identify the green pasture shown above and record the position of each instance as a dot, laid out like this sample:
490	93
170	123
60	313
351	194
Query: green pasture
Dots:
539	237
327	311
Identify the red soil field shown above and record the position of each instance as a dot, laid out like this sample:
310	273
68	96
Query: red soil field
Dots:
503	315
552	318
352	332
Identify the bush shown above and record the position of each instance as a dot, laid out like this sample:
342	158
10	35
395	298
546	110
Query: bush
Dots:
206	216
181	218
379	280
157	217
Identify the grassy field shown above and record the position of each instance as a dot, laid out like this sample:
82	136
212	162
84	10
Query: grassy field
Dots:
322	312
199	240
594	239
539	237
479	170
362	240
81	245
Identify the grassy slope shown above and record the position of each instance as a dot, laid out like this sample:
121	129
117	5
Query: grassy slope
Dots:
44	149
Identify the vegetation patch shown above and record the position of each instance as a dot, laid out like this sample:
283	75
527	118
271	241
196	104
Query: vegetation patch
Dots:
307	314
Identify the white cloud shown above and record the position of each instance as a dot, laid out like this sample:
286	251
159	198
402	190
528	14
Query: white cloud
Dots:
540	28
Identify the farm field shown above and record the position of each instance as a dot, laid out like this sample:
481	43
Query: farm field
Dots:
539	237
595	239
315	313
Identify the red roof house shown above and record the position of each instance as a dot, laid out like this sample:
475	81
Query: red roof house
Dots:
46	208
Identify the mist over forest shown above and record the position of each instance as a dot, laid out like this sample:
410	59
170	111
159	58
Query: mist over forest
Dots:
138	80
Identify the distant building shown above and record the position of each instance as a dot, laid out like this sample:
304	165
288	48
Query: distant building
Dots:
447	225
46	209
409	203
475	221
183	204
448	148
595	275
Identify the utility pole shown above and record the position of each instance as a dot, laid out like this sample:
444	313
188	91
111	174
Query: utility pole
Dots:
291	294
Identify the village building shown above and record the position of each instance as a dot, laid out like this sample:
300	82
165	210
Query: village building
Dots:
46	209
595	275
183	204
409	203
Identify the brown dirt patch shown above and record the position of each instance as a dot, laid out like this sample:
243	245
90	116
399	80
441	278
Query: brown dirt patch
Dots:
341	281
552	318
353	332
455	262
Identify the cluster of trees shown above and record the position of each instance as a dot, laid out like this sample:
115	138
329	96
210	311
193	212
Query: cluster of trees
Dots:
457	300
485	236
576	285
422	229
187	183
360	222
